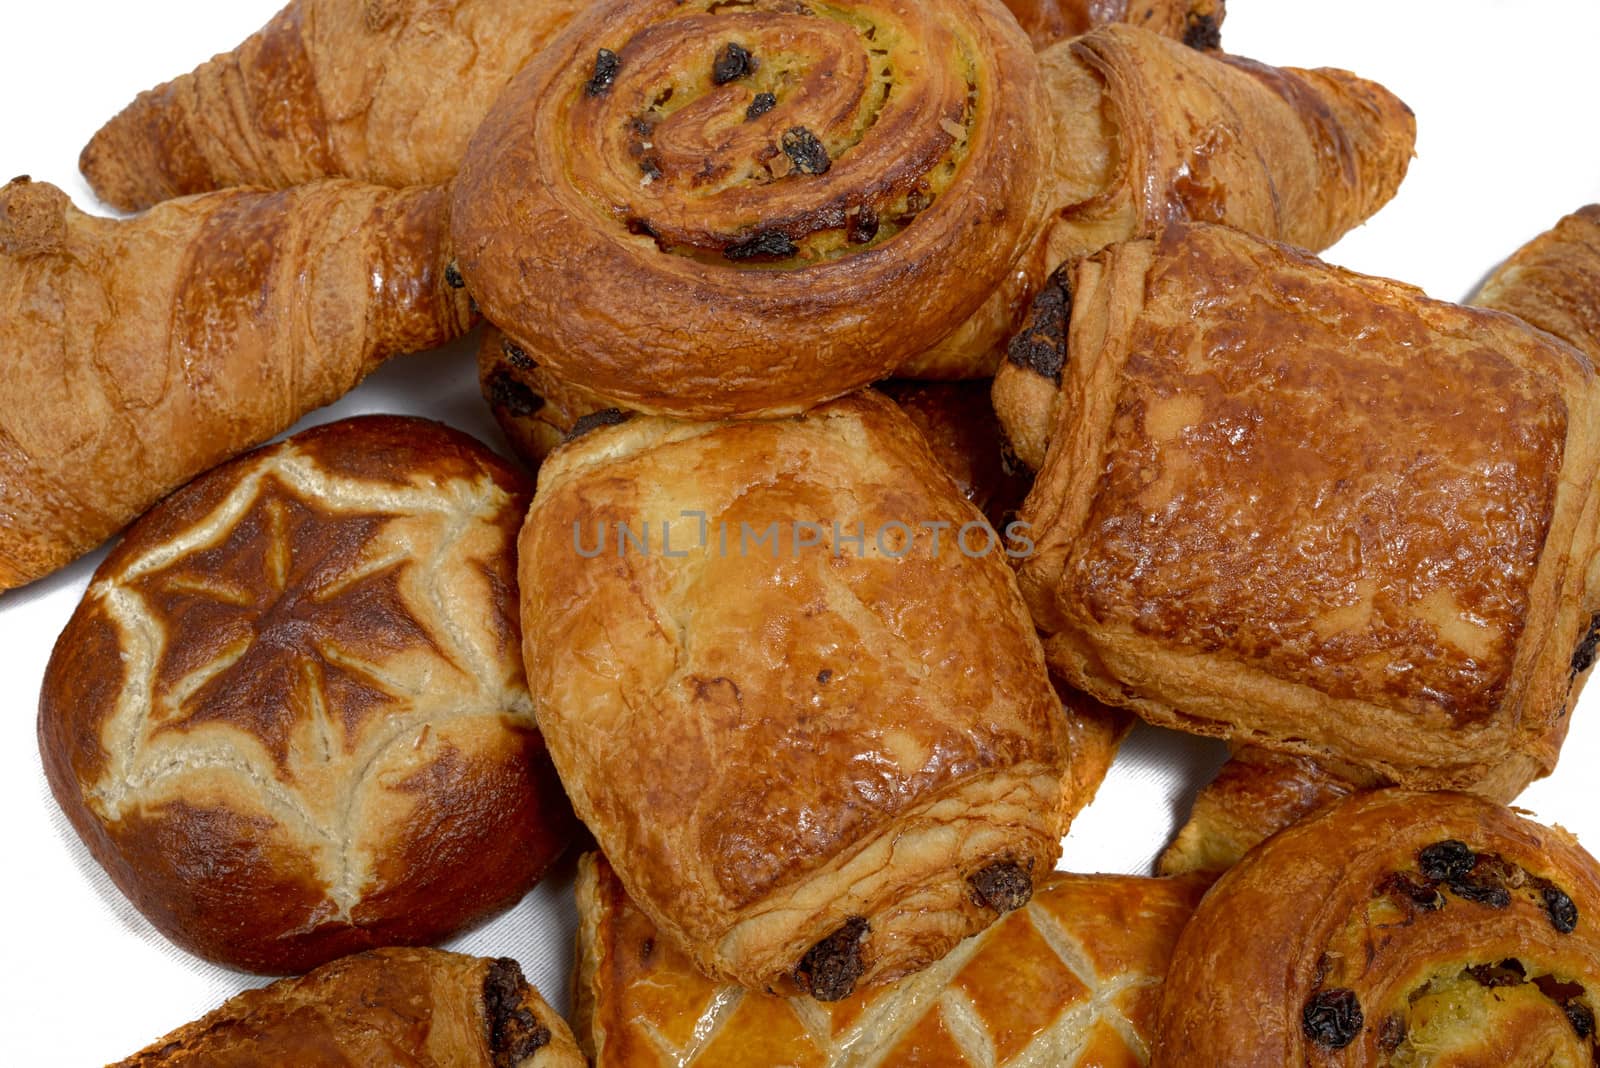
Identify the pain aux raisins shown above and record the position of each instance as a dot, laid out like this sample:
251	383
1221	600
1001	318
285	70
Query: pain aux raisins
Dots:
1332	1018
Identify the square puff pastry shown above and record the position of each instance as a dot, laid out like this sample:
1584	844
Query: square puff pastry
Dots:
1289	504
812	765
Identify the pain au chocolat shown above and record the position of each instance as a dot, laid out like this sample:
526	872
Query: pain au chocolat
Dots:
1303	508
1395	929
289	717
1071	980
399	1008
815	762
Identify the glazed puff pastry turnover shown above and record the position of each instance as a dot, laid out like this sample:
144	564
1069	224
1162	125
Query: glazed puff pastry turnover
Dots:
813	761
1296	506
1072	980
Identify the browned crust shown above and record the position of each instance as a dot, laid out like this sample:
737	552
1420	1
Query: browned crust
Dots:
410	1008
384	91
550	191
1553	282
281	638
1197	23
833	730
143	352
1318	914
1187	407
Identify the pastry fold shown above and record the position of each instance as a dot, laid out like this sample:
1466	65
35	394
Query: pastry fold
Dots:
1073	979
1197	23
765	699
401	1008
1292	505
1393	929
1553	282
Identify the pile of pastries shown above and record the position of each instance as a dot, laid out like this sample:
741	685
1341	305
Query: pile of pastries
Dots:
919	392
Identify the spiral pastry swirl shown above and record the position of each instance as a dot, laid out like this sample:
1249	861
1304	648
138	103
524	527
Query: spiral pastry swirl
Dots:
750	206
1394	929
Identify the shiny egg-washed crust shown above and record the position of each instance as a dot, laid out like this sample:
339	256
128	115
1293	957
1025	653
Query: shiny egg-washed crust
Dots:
289	717
1393	929
139	353
1148	132
1553	282
1413	595
800	760
1072	980
1197	23
535	409
384	91
400	1008
688	229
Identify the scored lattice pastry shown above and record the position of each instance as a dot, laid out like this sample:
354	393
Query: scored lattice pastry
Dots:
399	1008
1071	980
389	91
786	741
1412	597
1397	929
289	717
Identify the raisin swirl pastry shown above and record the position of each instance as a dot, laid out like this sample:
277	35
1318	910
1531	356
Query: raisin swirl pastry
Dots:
803	767
1414	594
711	209
1393	929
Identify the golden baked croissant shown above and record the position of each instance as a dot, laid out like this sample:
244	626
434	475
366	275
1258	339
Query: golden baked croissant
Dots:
1413	593
757	677
1393	929
384	91
400	1008
1197	23
1071	980
716	211
141	353
1553	282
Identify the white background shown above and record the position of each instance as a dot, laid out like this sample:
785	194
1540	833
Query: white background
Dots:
1505	94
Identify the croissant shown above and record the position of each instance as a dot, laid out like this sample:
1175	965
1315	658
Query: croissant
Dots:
1413	595
713	212
1072	980
1395	929
1553	282
384	91
756	677
141	353
401	1008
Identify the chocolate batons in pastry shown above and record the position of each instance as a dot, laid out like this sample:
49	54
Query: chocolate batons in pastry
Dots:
1072	980
140	353
384	91
803	766
1413	594
1393	929
399	1008
289	717
711	209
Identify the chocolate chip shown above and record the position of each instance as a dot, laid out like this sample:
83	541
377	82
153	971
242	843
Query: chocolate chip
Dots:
1559	907
596	420
1583	657
1581	1017
732	63
766	244
1332	1018
452	277
1203	32
1492	976
1041	346
862	226
517	355
513	396
763	103
1480	892
829	970
1392	1034
1003	886
1446	861
515	1034
606	65
809	155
